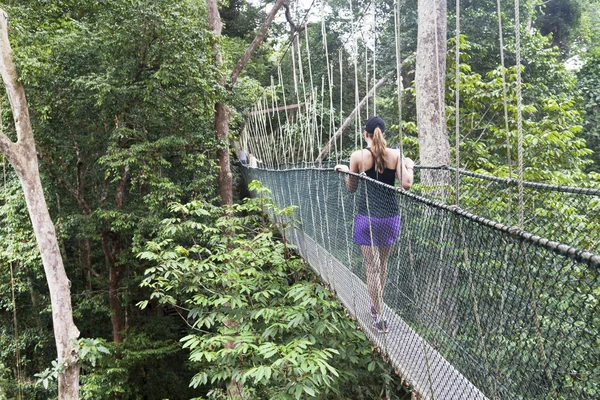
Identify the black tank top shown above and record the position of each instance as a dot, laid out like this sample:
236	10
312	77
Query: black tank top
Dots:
381	200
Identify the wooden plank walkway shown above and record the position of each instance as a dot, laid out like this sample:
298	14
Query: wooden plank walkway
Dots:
423	367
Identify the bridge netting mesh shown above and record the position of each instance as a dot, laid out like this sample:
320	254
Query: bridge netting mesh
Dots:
474	308
563	213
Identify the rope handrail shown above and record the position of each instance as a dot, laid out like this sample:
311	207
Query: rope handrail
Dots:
491	178
592	259
514	182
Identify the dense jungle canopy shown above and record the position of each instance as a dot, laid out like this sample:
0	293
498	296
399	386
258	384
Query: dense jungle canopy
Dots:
123	97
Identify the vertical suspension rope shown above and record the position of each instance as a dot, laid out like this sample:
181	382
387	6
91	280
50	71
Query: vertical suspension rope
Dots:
288	134
322	111
310	73
341	104
264	138
530	286
356	91
330	72
437	60
311	122
303	127
457	103
296	91
439	84
366	80
505	103
399	81
264	154
519	110
273	145
313	137
374	58
279	127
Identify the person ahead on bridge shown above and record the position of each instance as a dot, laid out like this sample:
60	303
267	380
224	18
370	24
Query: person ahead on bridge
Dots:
377	223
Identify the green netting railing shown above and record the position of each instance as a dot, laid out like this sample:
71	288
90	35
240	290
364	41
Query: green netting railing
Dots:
475	308
565	214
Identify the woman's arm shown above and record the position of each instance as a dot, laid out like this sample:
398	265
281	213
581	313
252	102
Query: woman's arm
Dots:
405	171
351	180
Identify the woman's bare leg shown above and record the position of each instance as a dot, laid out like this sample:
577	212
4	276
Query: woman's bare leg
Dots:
384	255
371	257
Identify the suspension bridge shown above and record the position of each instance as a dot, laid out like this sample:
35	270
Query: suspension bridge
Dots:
492	288
477	309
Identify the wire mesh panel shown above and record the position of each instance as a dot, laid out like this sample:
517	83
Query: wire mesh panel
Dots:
472	308
565	214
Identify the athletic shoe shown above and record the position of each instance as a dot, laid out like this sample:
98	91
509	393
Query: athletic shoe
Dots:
381	326
373	311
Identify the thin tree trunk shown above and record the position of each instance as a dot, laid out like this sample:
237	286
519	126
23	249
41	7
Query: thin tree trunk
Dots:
241	64
222	113
222	133
23	157
111	245
85	258
114	278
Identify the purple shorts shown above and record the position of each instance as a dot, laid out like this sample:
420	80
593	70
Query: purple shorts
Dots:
384	230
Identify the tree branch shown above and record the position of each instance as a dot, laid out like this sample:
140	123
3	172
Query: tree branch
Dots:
6	146
241	64
348	120
14	89
70	188
288	17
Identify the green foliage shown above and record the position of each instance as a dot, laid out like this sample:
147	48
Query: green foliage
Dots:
589	83
50	375
121	98
553	149
132	372
258	316
561	19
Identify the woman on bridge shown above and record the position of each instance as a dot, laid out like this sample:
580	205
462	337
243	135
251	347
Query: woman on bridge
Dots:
377	223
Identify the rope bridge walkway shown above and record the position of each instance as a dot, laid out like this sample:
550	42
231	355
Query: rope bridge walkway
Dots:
475	309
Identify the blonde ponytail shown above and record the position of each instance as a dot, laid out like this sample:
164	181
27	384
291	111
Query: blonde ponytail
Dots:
379	150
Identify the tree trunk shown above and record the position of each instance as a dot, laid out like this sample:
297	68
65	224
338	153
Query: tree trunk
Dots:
114	278
222	133
221	112
434	149
23	157
112	246
65	331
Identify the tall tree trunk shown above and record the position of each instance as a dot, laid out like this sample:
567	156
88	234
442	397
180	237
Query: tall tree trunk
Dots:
23	157
112	247
221	111
434	149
